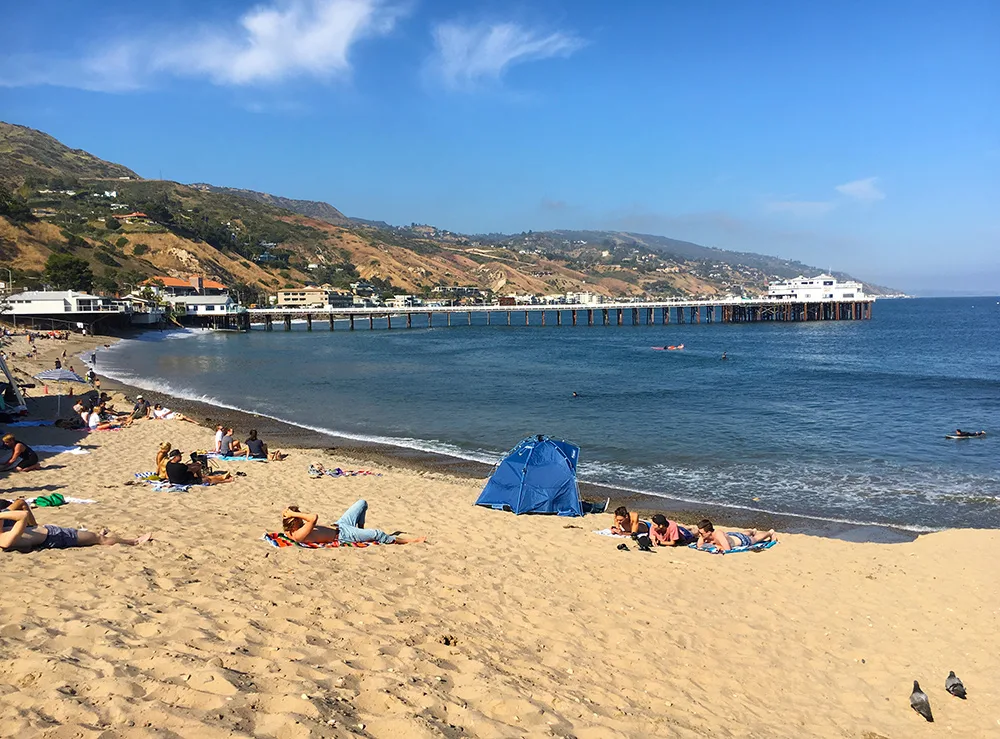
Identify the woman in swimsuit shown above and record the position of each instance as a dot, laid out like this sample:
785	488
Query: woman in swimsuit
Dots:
709	537
22	457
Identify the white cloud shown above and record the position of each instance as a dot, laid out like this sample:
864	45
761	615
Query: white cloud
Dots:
466	54
281	40
801	207
864	190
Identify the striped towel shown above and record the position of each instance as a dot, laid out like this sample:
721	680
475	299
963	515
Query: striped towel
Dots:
760	547
148	476
278	539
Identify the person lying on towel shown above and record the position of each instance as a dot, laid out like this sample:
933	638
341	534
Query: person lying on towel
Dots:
667	533
21	533
709	537
628	523
349	529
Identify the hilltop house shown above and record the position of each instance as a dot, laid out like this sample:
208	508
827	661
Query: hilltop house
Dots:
133	217
196	296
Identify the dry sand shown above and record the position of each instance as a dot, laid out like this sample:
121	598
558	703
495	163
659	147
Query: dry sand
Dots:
501	626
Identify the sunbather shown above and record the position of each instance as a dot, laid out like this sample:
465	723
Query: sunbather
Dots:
708	536
667	533
628	523
165	414
22	457
349	529
21	533
257	449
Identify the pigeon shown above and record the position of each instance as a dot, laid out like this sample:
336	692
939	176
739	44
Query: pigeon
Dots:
919	702
954	686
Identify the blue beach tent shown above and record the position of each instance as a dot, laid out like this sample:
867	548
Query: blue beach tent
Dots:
536	476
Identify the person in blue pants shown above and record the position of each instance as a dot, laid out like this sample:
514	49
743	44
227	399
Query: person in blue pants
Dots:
349	529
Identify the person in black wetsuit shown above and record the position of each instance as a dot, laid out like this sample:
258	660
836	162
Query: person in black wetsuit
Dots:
22	458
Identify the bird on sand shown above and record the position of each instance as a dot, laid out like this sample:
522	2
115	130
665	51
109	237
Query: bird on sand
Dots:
919	702
954	686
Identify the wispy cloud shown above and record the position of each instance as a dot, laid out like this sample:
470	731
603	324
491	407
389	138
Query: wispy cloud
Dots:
801	207
864	190
465	55
269	43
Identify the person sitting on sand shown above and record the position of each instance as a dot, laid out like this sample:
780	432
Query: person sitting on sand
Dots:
21	533
220	432
349	529
628	523
667	533
141	408
179	473
22	457
229	446
708	536
257	449
96	423
162	457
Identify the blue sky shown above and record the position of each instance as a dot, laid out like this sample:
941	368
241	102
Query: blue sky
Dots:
855	135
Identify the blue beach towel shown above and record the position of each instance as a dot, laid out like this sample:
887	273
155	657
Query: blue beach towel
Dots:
32	423
752	548
235	459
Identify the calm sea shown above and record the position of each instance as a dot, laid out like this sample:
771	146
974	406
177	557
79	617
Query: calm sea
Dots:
839	420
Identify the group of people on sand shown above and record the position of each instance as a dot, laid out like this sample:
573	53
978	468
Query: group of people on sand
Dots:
227	445
663	532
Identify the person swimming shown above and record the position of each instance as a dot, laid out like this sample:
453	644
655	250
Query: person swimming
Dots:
724	357
576	394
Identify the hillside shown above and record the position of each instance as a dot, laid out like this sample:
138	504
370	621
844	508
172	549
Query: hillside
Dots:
27	154
60	200
310	208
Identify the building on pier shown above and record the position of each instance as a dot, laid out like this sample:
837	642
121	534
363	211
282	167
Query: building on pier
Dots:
820	287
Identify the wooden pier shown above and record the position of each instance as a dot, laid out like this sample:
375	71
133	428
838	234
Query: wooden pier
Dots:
730	310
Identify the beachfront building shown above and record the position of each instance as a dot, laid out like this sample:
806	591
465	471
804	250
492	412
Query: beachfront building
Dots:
196	296
314	297
813	289
403	301
65	309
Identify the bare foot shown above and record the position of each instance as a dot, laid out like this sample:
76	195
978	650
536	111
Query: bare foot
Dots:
143	539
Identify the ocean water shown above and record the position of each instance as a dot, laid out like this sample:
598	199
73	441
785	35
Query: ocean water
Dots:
837	420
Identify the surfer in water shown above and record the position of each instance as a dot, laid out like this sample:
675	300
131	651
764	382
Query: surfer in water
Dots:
576	394
724	357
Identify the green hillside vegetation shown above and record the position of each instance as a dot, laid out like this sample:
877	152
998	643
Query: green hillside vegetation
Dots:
33	156
59	201
310	208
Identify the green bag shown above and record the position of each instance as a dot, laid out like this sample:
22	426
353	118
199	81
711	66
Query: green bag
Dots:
50	501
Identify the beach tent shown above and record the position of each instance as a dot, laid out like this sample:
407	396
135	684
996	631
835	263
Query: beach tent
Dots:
536	476
11	399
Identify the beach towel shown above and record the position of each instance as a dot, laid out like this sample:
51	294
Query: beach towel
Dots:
66	499
735	550
278	539
148	476
32	423
316	473
165	487
612	534
213	455
50	501
50	449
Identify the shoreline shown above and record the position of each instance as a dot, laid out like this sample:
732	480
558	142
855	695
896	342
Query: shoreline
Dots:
283	435
497	626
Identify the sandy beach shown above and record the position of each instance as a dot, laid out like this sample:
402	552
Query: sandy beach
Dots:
499	626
